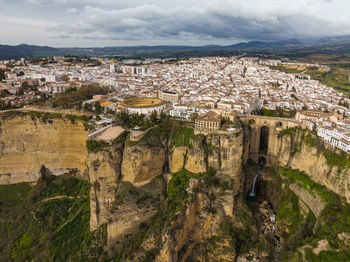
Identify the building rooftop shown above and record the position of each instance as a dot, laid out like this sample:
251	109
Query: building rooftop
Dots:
209	116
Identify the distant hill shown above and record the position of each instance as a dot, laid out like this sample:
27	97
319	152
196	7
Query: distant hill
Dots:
289	46
260	45
26	51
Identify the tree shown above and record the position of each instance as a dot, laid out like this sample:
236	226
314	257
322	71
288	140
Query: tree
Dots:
4	93
304	108
87	107
154	117
20	91
2	74
194	116
98	108
2	105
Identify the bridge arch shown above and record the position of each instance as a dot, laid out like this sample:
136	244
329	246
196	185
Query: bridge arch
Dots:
262	134
264	140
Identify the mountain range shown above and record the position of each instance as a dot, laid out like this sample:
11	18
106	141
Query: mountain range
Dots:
325	45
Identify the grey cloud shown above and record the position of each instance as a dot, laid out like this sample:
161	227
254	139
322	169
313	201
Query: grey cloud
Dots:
151	21
216	21
61	36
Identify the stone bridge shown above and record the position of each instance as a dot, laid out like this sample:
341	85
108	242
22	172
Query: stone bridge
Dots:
263	135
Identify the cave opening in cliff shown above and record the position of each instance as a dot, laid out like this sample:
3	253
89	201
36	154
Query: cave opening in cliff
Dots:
264	140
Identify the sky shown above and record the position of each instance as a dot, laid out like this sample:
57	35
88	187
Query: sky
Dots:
98	23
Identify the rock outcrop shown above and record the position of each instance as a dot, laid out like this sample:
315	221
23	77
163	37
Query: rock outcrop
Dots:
177	158
128	192
295	152
27	142
142	163
104	174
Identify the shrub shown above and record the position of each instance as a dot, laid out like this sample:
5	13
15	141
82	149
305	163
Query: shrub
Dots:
94	146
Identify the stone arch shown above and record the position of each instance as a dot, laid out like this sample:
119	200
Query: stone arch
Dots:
279	124
264	140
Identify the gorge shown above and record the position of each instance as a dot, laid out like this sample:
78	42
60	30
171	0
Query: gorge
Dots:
172	194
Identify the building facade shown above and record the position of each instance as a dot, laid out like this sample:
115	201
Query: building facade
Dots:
209	121
168	96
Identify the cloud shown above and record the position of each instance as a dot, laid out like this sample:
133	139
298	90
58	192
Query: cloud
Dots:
221	20
61	36
183	22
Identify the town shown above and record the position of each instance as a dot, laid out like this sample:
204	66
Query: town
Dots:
204	90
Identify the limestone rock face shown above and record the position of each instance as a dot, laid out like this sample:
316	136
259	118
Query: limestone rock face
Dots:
311	160
132	207
26	143
188	235
313	201
104	171
196	160
177	158
225	155
142	163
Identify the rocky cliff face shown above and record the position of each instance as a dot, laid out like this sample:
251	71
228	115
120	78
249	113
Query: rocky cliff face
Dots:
28	141
142	163
104	173
303	151
131	190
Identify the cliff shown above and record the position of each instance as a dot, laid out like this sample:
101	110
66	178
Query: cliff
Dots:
30	139
301	149
133	184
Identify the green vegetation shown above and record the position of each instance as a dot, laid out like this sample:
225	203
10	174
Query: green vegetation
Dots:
286	69
71	97
94	146
303	231
289	212
337	77
155	137
140	120
307	183
182	136
66	185
177	198
121	138
49	222
341	159
2	74
279	112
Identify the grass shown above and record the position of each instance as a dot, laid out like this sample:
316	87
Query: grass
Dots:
308	184
93	146
341	160
155	137
121	138
334	219
49	186
53	230
182	136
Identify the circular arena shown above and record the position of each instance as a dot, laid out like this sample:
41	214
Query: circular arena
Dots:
143	105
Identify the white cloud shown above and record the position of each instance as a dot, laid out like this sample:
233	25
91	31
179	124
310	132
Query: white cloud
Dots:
187	22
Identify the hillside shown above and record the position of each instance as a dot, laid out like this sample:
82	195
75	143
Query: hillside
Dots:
289	47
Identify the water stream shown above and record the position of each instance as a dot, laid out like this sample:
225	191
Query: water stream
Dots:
252	193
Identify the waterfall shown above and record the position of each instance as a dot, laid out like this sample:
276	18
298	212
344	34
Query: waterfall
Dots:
252	193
